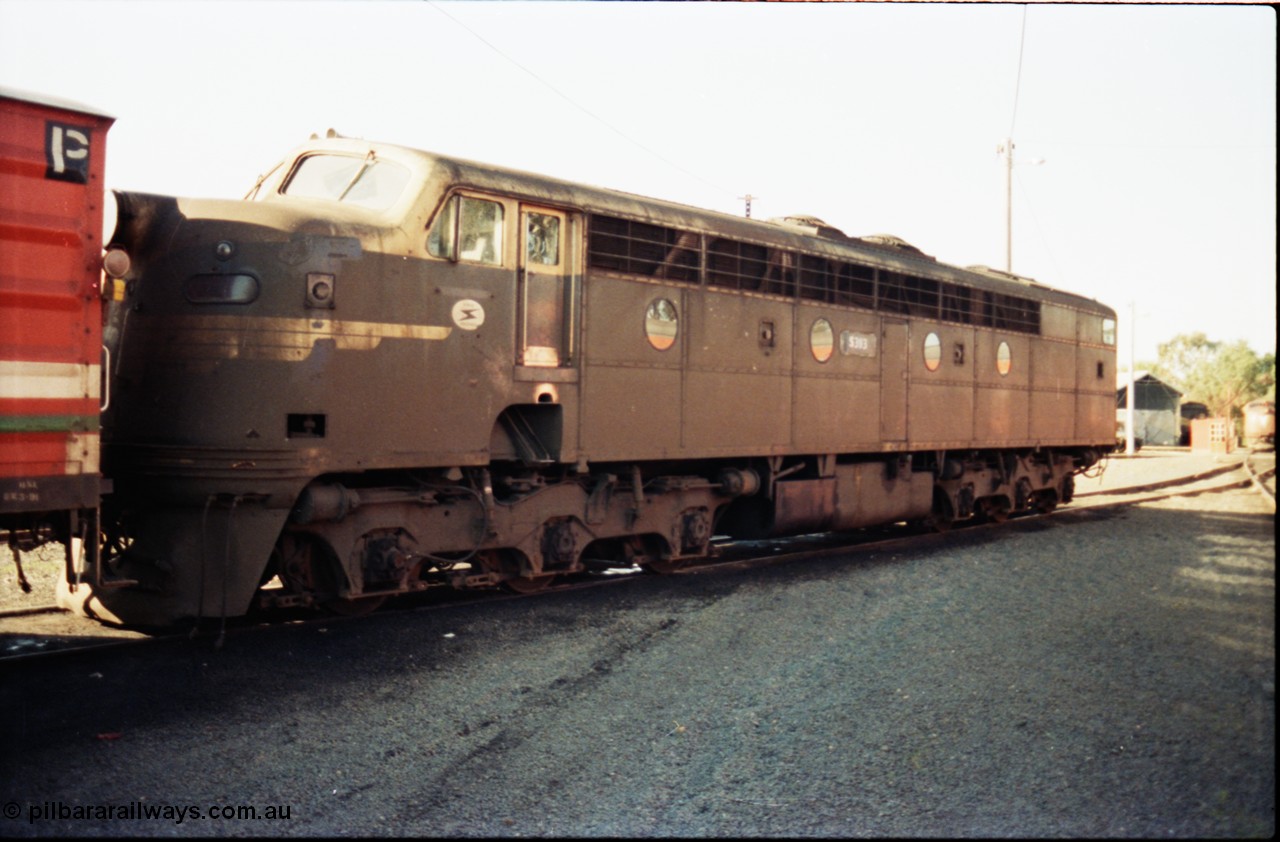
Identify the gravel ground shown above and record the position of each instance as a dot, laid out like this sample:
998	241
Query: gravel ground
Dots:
1098	674
41	566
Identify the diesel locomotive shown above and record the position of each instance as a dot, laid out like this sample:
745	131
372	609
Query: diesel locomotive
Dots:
386	370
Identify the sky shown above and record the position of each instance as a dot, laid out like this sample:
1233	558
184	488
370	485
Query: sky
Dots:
1145	136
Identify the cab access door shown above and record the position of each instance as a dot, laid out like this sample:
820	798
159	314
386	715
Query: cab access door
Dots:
547	261
545	429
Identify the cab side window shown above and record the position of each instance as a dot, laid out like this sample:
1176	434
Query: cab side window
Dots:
543	239
467	229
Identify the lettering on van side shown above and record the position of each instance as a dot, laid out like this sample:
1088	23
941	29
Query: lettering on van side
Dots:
66	152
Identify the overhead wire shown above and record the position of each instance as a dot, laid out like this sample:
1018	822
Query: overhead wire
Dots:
619	132
1017	84
1013	120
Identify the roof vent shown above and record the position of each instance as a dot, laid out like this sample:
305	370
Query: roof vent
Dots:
1000	273
894	242
891	241
810	225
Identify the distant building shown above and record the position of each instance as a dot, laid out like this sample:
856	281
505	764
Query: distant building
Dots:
1155	409
1190	411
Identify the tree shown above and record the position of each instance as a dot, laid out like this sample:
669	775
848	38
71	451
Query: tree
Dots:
1267	375
1224	376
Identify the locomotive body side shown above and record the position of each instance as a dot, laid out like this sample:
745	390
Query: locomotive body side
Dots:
393	370
52	155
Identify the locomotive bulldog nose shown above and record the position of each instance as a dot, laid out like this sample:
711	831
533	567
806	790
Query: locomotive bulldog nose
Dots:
388	370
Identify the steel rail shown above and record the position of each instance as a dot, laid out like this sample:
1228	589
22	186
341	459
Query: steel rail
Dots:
30	611
1258	479
726	558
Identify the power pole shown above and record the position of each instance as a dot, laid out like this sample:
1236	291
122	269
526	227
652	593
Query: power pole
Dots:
747	198
1006	149
1131	400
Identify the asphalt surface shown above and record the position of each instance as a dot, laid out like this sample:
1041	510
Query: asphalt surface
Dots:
1105	673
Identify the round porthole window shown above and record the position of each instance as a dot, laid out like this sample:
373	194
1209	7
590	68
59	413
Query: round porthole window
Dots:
822	340
661	325
932	352
1004	359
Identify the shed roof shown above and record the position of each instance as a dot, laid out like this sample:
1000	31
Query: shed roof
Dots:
1142	376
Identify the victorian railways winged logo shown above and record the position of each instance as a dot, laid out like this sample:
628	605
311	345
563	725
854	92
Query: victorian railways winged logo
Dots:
468	314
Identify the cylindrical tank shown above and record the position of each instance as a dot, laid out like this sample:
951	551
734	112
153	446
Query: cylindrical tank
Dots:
1260	422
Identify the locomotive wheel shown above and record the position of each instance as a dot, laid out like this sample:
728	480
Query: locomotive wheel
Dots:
649	552
506	564
943	514
1045	501
995	509
938	524
528	584
1022	495
353	607
305	570
664	566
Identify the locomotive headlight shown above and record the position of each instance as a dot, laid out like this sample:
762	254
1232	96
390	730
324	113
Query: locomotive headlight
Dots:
222	289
